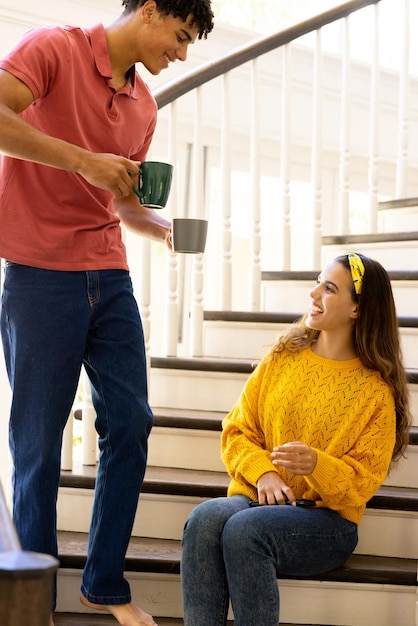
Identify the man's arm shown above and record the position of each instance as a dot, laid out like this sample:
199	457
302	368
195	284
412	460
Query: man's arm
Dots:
143	221
21	140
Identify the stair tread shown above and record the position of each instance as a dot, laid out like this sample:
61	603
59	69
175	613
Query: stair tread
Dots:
83	619
275	317
163	556
211	484
226	365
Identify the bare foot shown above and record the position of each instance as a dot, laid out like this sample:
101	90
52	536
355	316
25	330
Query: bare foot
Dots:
51	621
125	614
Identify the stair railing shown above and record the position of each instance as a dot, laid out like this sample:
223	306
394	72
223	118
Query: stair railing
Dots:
221	293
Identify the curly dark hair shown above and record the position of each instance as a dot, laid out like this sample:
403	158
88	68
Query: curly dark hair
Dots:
200	11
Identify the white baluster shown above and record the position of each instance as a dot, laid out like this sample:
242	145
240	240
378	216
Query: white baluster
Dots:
196	309
171	318
226	253
285	159
344	189
67	444
89	446
144	296
255	238
374	127
316	165
402	160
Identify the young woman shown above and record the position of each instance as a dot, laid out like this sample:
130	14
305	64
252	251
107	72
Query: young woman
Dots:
318	423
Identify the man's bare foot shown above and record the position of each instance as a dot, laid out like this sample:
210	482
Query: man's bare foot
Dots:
125	614
51	621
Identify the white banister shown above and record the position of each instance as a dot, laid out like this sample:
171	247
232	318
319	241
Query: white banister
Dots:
344	191
285	158
255	238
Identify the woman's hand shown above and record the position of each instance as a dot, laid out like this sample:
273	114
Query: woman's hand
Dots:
272	490
295	457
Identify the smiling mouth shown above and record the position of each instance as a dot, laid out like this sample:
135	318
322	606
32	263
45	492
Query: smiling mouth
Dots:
315	309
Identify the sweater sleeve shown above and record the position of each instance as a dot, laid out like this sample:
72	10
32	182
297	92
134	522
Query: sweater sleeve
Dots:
353	478
243	444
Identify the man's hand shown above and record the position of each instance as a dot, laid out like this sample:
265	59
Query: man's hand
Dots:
110	172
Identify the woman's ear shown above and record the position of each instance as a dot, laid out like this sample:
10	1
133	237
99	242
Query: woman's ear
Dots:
355	312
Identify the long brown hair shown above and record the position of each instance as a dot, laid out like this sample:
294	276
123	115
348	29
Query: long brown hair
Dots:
375	340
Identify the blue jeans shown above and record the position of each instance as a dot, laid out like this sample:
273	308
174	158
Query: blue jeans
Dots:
232	551
53	322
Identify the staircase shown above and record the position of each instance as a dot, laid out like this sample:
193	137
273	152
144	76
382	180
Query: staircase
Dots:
190	396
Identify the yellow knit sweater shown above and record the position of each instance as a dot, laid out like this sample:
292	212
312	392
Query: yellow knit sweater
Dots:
342	409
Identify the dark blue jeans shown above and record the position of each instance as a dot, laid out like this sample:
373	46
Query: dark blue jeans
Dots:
232	551
51	323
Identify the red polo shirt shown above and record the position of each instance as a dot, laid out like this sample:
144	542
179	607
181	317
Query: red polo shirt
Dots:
51	218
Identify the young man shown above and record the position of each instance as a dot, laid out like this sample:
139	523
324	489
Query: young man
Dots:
76	120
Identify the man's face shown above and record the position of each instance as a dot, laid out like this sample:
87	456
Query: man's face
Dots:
166	39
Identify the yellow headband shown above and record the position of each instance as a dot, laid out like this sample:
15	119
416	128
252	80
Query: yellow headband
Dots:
357	271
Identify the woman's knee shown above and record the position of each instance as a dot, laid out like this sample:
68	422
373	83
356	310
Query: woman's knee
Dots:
210	517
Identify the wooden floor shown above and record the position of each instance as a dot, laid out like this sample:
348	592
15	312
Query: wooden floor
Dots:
80	619
77	619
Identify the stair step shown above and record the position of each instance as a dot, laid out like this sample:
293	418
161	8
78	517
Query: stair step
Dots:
216	383
384	588
394	249
288	290
170	494
236	334
207	484
163	556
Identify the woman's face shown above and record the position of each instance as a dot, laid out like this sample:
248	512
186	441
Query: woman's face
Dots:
332	306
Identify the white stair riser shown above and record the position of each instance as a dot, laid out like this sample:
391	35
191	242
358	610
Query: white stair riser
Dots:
405	473
333	604
286	296
398	220
192	449
392	255
381	533
196	390
241	340
185	448
212	391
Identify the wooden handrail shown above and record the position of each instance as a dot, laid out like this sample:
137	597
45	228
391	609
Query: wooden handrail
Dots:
178	86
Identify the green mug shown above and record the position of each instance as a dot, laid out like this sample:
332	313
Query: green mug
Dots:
154	184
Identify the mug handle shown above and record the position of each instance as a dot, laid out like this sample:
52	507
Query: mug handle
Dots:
135	188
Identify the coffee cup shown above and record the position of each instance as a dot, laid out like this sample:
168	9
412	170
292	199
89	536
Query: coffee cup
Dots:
154	184
189	235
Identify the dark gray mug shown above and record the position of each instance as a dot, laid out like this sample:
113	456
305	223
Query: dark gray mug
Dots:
189	235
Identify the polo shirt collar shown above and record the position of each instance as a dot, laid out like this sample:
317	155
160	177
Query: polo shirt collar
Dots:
98	42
